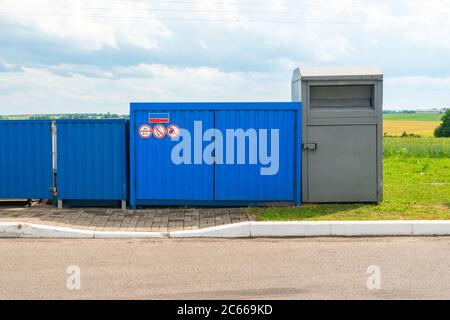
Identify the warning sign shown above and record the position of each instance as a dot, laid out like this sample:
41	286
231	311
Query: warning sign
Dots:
145	131
173	131
159	131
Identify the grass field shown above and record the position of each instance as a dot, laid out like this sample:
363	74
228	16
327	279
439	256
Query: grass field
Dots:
422	124
413	116
424	147
416	186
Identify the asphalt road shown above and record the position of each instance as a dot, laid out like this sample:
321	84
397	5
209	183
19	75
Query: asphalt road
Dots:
230	269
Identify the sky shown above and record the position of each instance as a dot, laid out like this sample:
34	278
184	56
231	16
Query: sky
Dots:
96	56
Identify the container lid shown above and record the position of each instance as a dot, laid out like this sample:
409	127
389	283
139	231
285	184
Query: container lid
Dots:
338	73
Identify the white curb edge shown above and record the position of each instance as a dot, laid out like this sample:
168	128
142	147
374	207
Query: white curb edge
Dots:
245	230
321	229
30	230
9	230
127	234
290	229
371	228
431	228
236	230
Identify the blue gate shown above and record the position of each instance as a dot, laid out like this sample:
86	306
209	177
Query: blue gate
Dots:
249	182
159	178
26	159
92	159
215	153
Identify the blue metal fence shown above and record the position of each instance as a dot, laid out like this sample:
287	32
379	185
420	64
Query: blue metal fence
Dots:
25	159
247	179
92	159
96	157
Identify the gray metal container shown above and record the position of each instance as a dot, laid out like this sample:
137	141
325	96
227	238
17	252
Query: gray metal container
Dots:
342	148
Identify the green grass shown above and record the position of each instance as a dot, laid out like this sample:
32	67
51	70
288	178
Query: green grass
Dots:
416	187
413	116
424	147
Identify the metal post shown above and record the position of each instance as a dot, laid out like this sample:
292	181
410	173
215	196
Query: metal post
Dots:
124	205
60	204
54	160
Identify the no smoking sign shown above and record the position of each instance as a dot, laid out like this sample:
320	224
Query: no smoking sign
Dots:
159	131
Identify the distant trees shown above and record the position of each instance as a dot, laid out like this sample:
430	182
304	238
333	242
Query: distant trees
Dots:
398	111
444	129
67	116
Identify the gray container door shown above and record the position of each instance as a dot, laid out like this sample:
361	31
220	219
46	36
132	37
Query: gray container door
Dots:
342	168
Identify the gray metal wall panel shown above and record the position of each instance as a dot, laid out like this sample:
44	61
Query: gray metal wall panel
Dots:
343	168
379	106
341	96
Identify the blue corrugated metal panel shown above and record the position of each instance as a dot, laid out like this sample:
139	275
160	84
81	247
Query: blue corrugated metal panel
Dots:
92	159
25	159
247	181
159	178
156	179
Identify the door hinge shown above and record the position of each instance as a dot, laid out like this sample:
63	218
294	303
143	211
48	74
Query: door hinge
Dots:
309	146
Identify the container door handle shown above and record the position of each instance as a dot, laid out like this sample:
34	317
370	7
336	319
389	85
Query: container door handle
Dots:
309	146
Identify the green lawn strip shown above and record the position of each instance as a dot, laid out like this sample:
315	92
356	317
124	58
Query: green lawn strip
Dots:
413	116
414	189
329	212
424	147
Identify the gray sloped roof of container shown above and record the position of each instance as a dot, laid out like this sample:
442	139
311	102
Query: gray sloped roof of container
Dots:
338	73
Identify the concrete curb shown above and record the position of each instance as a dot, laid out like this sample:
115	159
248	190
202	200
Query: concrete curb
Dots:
431	228
371	228
245	230
321	229
237	230
41	231
127	234
9	230
29	230
290	229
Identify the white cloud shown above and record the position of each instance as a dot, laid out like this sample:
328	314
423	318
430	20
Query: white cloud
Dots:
38	90
91	29
215	50
66	90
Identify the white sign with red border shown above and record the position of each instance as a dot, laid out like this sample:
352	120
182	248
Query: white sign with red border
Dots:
173	131
145	131
159	131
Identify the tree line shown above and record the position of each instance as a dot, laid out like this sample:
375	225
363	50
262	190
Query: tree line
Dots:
66	116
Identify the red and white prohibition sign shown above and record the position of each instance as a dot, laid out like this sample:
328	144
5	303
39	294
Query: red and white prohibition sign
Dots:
159	131
173	131
145	131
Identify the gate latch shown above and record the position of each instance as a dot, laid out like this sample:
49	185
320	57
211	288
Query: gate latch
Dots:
309	146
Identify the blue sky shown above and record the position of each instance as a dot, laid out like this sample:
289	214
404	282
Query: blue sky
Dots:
96	56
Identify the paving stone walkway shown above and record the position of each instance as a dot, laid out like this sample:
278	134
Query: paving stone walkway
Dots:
154	219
